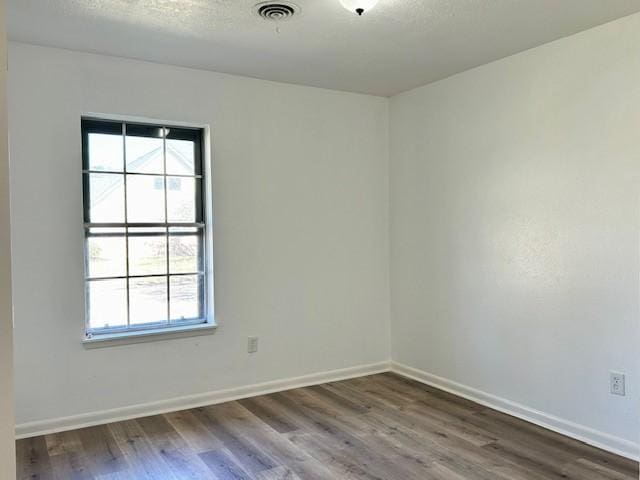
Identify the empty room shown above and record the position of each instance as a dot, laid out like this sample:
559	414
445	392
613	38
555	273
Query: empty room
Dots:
320	239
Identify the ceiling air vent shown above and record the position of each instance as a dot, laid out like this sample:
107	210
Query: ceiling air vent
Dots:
276	11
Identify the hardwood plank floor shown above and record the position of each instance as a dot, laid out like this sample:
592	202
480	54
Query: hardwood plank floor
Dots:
381	427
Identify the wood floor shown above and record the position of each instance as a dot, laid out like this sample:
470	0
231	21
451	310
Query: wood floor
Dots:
382	427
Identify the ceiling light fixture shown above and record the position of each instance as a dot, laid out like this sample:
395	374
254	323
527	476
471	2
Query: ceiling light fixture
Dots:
358	6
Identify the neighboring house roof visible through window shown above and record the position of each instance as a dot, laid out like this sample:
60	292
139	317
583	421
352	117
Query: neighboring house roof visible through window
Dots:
179	155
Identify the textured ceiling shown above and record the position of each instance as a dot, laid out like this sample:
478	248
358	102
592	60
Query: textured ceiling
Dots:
398	45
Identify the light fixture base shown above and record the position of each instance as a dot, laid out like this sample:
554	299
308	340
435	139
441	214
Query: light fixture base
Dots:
359	7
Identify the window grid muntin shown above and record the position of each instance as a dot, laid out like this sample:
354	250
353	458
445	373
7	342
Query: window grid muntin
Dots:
167	133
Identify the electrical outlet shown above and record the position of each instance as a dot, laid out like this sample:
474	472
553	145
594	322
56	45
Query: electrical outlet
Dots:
617	383
252	345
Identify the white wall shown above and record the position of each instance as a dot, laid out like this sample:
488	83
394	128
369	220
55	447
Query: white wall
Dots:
515	228
7	445
301	244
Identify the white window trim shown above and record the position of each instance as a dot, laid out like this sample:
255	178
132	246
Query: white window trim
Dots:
177	331
151	335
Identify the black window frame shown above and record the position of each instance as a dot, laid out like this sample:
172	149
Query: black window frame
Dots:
166	131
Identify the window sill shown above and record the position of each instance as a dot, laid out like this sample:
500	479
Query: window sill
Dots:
152	335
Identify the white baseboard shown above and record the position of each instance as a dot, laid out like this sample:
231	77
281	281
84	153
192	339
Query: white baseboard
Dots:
588	435
584	434
44	427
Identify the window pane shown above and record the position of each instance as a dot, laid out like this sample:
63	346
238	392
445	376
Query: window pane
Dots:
107	257
180	157
148	300
145	198
181	199
147	255
106	195
108	231
144	154
184	254
105	152
186	295
107	303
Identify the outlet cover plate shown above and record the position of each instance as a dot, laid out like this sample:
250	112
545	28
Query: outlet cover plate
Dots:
617	382
252	344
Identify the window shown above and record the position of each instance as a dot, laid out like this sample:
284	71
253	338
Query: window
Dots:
144	225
